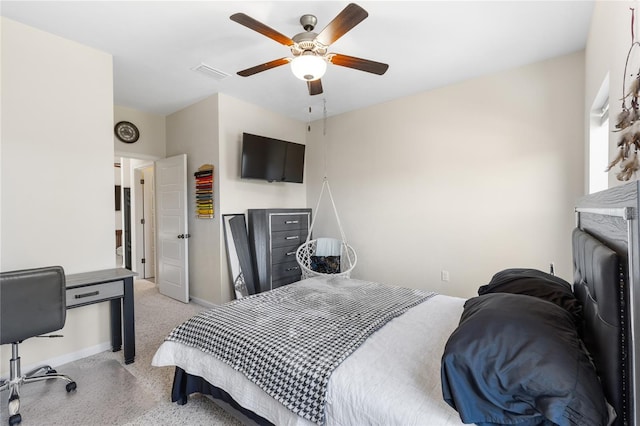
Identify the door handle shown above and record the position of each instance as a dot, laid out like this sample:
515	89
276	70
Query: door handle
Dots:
184	236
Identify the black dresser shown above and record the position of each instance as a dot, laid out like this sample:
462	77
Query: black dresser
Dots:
274	236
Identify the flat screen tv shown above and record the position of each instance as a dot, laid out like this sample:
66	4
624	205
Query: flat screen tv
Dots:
271	159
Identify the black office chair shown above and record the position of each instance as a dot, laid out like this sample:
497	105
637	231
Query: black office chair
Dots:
32	303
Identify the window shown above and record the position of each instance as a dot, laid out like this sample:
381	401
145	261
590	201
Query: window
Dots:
598	179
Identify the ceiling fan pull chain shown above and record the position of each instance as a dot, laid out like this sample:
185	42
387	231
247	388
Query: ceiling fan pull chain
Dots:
633	18
324	133
324	117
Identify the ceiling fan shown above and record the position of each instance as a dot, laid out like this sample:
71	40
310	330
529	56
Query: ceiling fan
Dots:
310	50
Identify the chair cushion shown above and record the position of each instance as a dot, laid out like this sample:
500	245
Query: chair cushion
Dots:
32	302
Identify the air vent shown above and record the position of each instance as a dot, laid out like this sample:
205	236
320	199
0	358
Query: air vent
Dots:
210	71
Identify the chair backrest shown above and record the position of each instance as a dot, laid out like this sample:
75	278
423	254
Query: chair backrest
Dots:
32	302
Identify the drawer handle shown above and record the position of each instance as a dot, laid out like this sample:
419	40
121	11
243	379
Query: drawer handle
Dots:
291	253
291	222
295	237
93	293
293	268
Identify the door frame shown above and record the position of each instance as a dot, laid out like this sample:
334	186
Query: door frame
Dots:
126	227
141	161
144	234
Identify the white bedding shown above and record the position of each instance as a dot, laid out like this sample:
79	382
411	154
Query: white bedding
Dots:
393	378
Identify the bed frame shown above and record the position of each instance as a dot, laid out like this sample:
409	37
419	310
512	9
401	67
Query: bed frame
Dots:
607	282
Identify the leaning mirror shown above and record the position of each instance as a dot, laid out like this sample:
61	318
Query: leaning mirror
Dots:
238	254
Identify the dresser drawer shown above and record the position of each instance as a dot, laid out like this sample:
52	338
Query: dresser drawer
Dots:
282	270
284	281
282	222
293	237
78	296
284	254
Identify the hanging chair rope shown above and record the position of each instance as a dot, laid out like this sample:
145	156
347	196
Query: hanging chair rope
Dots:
306	250
325	184
311	264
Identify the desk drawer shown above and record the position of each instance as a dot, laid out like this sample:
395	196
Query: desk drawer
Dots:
94	293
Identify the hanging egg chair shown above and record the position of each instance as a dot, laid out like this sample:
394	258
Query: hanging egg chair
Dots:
326	256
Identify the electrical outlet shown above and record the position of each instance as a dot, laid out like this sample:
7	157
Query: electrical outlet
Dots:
444	275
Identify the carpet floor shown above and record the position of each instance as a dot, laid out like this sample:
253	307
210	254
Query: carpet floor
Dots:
111	393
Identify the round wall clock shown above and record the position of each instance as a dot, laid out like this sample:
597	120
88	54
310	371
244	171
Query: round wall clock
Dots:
127	132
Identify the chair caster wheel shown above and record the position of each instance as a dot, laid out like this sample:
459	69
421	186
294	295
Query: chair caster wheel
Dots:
71	386
15	419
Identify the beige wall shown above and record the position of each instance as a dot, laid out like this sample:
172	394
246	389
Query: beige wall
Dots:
57	172
236	117
470	178
152	127
606	53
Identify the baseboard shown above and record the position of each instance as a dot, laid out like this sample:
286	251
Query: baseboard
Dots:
74	356
203	302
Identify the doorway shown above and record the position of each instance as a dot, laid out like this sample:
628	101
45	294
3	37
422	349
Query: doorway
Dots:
137	180
158	224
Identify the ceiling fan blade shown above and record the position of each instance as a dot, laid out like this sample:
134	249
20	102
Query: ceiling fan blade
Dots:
264	67
350	16
263	29
315	87
358	63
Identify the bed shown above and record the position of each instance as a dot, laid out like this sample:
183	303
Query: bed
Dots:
381	362
401	372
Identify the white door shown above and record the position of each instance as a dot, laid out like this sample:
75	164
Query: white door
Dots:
172	229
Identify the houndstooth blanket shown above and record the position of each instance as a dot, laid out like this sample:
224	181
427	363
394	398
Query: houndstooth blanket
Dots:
288	341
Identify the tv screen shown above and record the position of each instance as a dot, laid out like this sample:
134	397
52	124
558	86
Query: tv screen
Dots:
271	159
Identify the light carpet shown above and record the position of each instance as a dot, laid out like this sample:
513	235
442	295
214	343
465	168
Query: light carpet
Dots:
112	393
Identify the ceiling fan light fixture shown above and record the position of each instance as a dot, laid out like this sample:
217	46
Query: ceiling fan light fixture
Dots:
308	67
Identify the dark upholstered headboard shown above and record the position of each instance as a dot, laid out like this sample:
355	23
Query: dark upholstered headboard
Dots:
599	283
612	217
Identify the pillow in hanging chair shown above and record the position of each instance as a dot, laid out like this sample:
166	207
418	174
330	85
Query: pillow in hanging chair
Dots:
326	259
325	264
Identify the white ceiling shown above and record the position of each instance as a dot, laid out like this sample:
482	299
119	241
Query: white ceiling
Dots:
427	44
